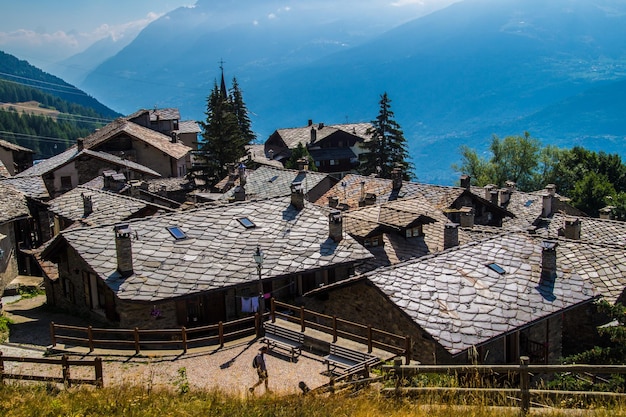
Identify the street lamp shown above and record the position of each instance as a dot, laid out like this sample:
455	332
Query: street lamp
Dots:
258	258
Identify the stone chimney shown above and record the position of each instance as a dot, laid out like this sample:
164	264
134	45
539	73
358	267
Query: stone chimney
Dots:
240	193
505	196
320	126
303	164
551	189
396	178
174	137
450	235
241	169
80	144
368	200
493	196
547	205
466	216
335	226
333	201
87	205
548	259
310	122
572	228
466	181
607	213
510	185
313	134
488	188
123	248
297	195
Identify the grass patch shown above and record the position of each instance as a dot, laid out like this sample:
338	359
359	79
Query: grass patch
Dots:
4	327
18	400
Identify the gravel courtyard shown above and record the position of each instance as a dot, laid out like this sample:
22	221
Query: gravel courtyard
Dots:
228	369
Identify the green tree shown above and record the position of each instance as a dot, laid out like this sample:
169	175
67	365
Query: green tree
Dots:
223	142
387	147
300	152
590	192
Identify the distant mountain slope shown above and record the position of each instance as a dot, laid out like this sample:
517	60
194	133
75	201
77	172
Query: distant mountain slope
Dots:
456	76
21	72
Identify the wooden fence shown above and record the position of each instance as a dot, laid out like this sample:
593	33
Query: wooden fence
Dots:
389	342
162	339
524	370
64	362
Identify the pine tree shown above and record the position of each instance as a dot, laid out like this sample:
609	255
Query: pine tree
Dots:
387	147
226	132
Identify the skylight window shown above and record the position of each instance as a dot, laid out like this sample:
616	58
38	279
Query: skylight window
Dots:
274	178
246	222
497	268
528	203
176	232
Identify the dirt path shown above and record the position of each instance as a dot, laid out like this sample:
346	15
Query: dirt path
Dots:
228	369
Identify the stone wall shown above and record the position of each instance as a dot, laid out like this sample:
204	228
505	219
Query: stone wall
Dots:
8	263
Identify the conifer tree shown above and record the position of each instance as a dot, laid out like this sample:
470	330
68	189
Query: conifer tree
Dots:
387	147
224	142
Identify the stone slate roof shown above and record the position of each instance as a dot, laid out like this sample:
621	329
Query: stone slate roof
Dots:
294	136
268	182
217	252
188	126
13	147
57	161
609	232
462	303
32	187
108	207
13	204
257	155
123	126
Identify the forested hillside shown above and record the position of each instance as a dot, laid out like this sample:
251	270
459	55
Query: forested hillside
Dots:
42	112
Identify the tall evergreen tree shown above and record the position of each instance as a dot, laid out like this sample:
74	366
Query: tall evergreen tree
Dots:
387	147
224	141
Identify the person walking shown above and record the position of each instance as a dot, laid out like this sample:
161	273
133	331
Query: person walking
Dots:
261	369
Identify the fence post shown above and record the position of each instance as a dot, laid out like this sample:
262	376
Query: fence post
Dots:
524	384
98	370
221	333
369	339
65	367
407	350
90	336
1	368
137	349
273	310
302	325
183	333
53	338
334	329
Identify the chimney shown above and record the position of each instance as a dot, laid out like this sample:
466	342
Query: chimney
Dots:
313	134
505	196
465	181
297	195
335	226
174	137
368	200
493	196
396	178
310	122
270	154
303	164
87	205
607	213
488	188
551	189
467	216
242	174
240	193
333	201
572	228
123	248
450	235
548	259
510	185
320	126
80	145
547	205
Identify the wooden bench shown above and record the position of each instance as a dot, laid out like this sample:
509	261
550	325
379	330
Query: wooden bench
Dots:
282	338
347	360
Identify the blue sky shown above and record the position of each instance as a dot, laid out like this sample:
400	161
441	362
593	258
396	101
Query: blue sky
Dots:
44	32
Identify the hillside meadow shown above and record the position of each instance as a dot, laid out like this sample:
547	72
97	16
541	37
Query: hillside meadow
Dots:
46	400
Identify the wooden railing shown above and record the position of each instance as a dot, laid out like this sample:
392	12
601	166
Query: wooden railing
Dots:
64	362
373	338
523	394
163	339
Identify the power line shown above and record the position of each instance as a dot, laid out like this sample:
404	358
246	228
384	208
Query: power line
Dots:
36	138
66	116
79	93
43	82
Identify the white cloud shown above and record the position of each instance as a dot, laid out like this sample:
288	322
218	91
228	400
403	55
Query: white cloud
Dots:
271	16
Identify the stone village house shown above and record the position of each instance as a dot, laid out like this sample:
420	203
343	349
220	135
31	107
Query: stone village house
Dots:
196	267
14	216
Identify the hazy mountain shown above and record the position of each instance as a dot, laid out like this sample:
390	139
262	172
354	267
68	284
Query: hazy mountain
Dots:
458	75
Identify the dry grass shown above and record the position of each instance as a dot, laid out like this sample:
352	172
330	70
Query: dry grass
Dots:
45	400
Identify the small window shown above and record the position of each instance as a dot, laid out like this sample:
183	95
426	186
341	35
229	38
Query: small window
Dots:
497	268
176	232
246	222
66	183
